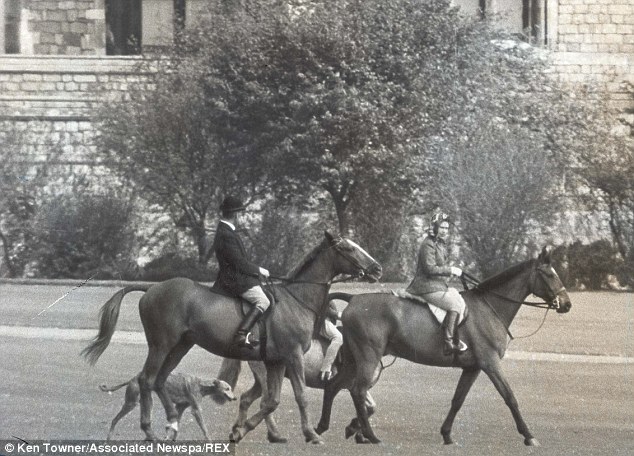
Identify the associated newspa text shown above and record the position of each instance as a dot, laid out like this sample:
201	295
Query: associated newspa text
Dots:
97	448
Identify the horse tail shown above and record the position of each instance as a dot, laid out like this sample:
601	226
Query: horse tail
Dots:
109	314
340	295
230	371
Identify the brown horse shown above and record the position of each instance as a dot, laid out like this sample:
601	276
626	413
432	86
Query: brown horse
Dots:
178	313
230	371
375	325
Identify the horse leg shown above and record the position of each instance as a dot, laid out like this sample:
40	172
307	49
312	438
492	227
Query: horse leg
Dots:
246	399
354	428
270	400
465	383
147	377
295	368
367	357
501	384
331	390
259	374
174	357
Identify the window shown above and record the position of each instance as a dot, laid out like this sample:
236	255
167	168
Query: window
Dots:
12	26
534	21
123	27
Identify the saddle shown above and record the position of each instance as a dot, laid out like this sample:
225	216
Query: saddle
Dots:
436	311
243	306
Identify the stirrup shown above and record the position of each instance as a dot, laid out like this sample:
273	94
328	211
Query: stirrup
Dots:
243	341
461	347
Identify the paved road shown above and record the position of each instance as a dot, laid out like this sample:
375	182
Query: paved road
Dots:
574	406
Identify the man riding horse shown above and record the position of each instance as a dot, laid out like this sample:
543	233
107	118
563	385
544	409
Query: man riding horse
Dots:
430	283
237	275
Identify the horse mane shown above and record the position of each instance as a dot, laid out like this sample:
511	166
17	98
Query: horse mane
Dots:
504	276
303	264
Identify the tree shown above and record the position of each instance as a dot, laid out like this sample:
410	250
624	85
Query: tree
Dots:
23	175
498	164
497	189
166	143
604	166
357	106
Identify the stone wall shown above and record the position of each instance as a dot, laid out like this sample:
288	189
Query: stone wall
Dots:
76	27
595	47
54	99
596	26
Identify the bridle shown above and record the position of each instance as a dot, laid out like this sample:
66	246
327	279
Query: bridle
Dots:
336	244
536	273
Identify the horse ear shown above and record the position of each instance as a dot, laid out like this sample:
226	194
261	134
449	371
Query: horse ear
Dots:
545	256
329	236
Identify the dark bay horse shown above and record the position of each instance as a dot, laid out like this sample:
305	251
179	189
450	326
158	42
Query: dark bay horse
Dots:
375	325
230	371
178	313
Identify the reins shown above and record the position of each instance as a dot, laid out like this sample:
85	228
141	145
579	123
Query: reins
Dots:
542	305
285	281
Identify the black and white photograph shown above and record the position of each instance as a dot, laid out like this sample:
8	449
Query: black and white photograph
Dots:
309	227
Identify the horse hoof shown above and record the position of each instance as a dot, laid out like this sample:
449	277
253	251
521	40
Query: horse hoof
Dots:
236	435
171	435
276	438
374	440
315	440
350	431
532	442
359	438
320	429
447	439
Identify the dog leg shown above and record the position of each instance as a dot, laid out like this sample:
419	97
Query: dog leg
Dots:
127	408
200	420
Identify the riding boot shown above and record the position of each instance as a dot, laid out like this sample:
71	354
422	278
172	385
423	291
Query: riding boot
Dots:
242	336
459	345
449	327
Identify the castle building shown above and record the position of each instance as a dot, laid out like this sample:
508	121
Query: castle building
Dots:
58	56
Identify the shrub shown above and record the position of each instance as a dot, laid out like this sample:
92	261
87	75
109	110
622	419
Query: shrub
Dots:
83	235
173	265
587	266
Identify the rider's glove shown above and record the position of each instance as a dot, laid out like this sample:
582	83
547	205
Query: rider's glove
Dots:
456	271
264	272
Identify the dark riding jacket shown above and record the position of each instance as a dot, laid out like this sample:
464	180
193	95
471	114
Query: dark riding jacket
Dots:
236	274
432	269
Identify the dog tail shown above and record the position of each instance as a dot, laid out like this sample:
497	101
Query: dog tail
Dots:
230	371
105	388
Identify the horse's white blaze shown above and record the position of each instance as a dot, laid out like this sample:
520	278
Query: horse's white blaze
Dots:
361	249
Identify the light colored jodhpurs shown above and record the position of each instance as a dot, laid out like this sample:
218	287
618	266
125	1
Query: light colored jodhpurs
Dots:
255	295
330	332
450	300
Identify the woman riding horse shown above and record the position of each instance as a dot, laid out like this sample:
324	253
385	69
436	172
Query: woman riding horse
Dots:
430	282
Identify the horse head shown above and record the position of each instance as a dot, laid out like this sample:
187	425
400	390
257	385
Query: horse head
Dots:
547	285
352	259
